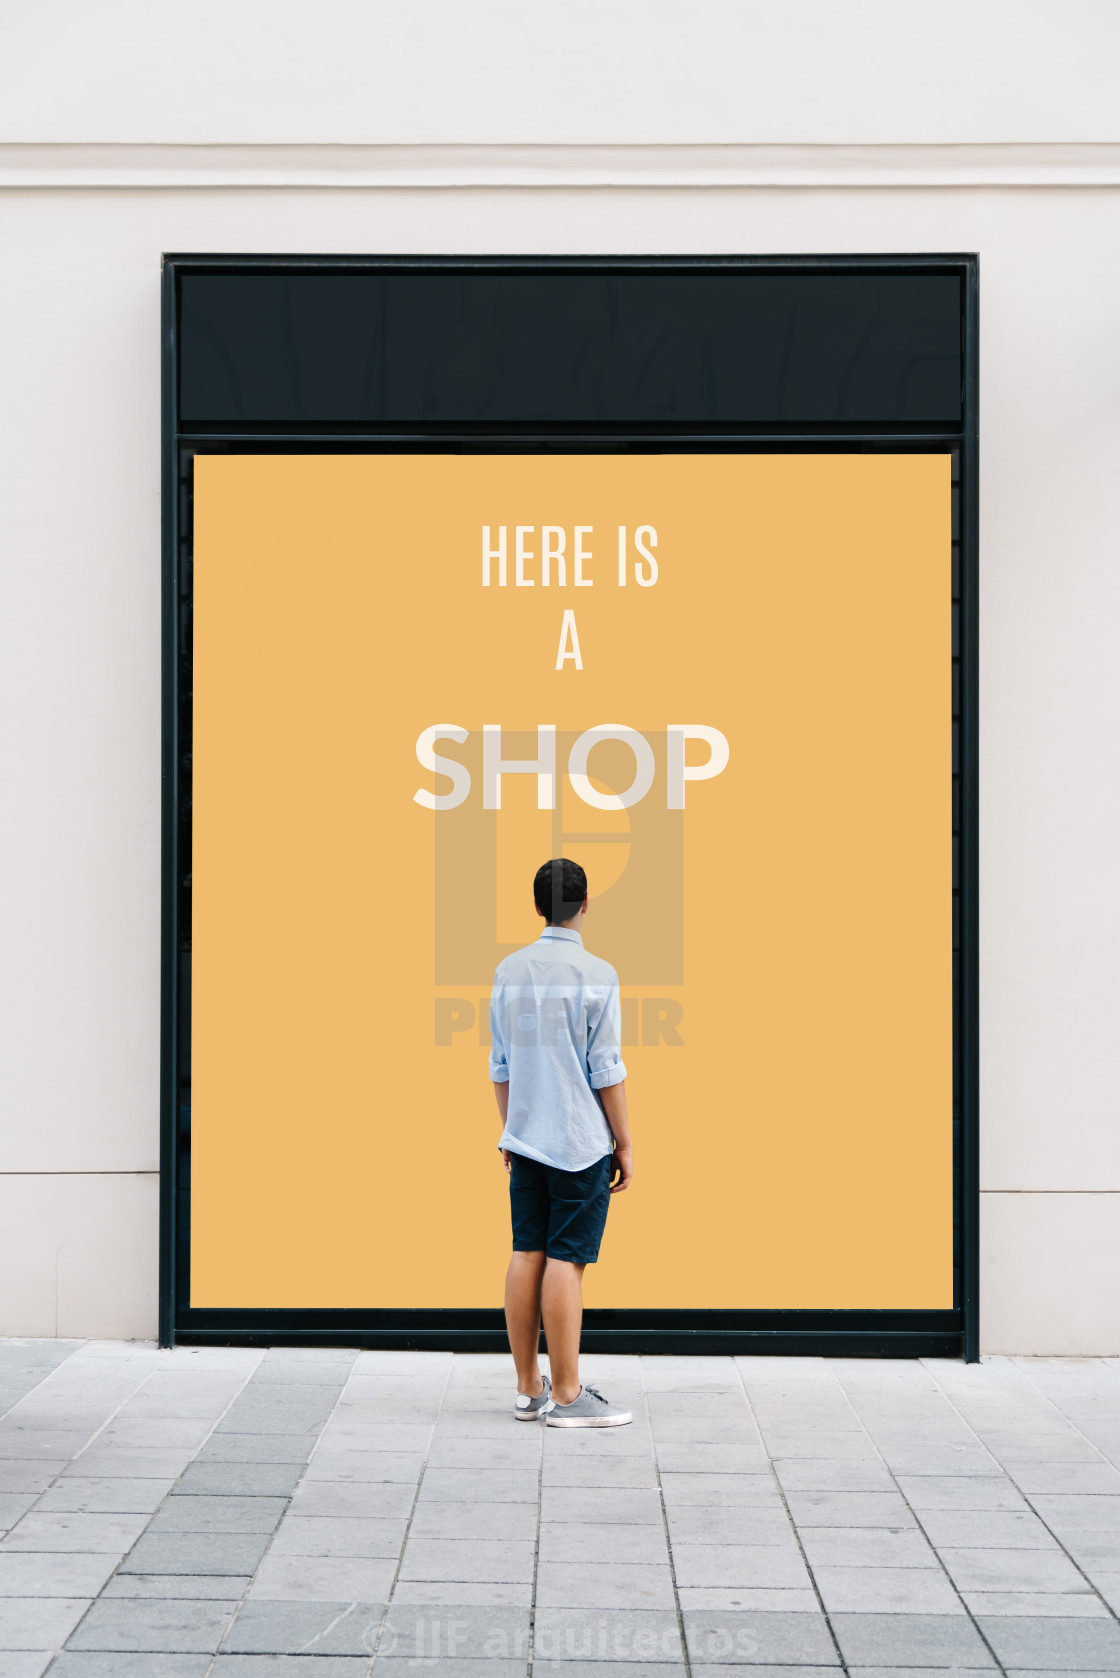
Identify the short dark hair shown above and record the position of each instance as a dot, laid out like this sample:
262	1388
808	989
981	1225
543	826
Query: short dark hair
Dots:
559	888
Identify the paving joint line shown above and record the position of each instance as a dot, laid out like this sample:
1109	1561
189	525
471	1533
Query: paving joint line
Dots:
1025	1496
665	1524
411	1514
917	1518
840	1656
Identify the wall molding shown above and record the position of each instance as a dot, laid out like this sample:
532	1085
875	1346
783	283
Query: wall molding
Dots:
96	166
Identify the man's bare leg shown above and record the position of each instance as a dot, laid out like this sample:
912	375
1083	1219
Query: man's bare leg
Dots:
562	1308
523	1318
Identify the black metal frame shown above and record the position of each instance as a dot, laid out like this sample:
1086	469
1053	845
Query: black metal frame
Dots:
947	1333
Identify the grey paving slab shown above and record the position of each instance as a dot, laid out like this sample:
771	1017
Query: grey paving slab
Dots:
12	1506
20	1475
704	1670
819	1474
385	1498
728	1405
700	1523
1082	1510
608	1505
1100	1478
846	1446
255	1448
1006	1529
104	1496
1054	1604
287	1432
682	1458
377	1436
218	1514
1107	1582
661	1373
366	1465
605	1545
433	1558
457	1631
849	1509
122	1462
156	1434
748	1491
1015	1452
218	1587
886	1590
39	1622
607	1669
575	1471
177	1404
24	1663
195	1552
1012	1570
615	1444
35	1573
774	1566
118	1664
351	1535
1091	1549
484	1485
521	1445
323	1578
911	1640
967	1491
239	1479
575	1584
920	1460
300	1628
744	1637
163	1624
437	1519
292	1666
72	1530
456	1667
760	1598
1053	1644
594	1634
866	1547
476	1593
42	1443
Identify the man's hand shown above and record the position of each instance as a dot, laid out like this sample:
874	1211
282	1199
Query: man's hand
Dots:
622	1167
506	1157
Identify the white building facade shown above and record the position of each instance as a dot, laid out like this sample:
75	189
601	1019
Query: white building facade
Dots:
615	129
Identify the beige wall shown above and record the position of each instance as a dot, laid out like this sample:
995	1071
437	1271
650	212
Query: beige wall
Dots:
83	228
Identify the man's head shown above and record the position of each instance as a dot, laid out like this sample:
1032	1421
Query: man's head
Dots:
559	890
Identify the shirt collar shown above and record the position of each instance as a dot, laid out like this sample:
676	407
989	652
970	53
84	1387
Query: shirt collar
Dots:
566	932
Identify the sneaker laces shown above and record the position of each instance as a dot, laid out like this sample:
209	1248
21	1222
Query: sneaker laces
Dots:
595	1393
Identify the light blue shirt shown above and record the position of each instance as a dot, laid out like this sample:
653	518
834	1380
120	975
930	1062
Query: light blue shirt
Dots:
555	1035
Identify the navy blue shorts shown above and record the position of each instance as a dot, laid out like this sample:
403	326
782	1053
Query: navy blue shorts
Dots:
559	1213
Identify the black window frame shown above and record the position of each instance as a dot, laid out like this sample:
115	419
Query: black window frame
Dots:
949	1333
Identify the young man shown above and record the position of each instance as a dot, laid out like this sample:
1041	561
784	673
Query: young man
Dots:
558	1075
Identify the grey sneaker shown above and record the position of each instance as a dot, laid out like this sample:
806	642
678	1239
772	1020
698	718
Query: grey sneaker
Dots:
590	1409
529	1409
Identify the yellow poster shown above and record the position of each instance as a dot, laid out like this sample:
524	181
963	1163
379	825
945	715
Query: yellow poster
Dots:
719	682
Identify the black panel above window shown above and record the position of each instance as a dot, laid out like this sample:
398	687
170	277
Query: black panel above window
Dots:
489	346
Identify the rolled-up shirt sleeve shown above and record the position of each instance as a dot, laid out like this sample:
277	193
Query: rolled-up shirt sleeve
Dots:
605	1065
499	1049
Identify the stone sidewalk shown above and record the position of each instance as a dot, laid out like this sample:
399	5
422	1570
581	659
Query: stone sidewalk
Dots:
291	1513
